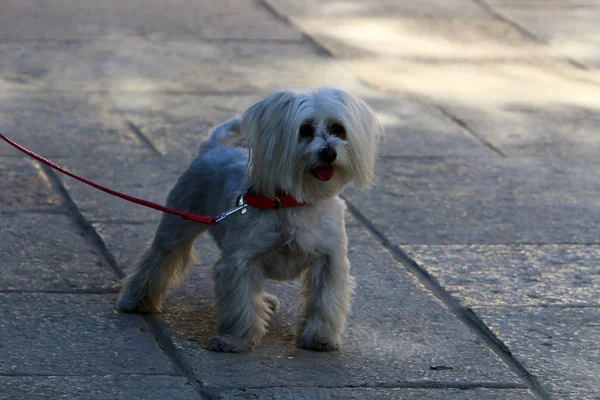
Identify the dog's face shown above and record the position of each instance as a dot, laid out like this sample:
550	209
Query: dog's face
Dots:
310	145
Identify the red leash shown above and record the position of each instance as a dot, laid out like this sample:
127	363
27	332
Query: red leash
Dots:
146	203
248	199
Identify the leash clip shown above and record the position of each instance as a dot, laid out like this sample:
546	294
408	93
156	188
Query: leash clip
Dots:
241	206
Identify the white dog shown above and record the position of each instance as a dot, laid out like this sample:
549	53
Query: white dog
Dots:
305	146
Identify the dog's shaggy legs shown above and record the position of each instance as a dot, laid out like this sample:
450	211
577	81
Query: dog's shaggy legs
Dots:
324	303
161	266
244	308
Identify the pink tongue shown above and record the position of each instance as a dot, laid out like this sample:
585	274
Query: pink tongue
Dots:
324	173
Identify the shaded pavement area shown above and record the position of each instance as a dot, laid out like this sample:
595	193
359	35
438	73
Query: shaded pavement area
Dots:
477	253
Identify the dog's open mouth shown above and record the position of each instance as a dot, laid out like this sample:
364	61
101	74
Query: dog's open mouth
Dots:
323	173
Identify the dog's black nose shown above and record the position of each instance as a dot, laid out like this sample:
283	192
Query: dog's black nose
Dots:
328	155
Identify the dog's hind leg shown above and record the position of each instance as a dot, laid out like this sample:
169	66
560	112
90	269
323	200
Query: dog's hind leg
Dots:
161	266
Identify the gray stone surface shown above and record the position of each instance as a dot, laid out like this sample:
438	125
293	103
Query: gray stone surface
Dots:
511	89
422	41
515	275
177	66
377	394
146	177
522	128
74	20
49	252
569	26
65	125
541	301
75	74
24	187
397	332
558	345
108	387
27	65
177	124
381	8
127	240
414	129
51	334
483	201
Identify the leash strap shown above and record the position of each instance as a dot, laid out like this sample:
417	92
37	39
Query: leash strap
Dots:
248	199
190	217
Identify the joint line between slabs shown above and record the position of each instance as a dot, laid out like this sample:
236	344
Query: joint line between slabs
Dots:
318	46
164	341
58	375
76	215
470	132
173	354
99	291
501	16
464	314
143	137
412	385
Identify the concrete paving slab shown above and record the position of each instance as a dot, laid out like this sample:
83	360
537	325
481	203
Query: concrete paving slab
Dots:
397	333
126	240
520	128
27	65
73	20
381	8
376	394
65	125
52	334
473	61
177	66
146	177
515	275
435	40
24	187
482	201
177	124
480	64
110	387
209	67
415	129
558	345
47	252
540	301
569	27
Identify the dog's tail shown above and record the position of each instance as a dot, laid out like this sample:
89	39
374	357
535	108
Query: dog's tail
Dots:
224	134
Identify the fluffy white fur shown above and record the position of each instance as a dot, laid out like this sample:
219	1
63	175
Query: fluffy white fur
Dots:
289	136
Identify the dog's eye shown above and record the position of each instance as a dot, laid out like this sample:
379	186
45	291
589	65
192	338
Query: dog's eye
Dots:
337	130
307	130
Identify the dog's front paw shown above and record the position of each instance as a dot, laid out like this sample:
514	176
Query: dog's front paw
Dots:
318	344
228	344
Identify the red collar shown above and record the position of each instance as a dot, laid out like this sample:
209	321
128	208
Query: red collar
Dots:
284	201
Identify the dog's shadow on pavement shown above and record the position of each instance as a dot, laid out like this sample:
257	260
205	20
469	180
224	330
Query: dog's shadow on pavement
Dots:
194	321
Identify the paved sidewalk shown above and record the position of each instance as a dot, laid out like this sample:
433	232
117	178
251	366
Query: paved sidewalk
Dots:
477	254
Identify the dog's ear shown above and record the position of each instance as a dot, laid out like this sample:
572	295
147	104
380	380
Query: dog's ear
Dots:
269	127
364	141
256	118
